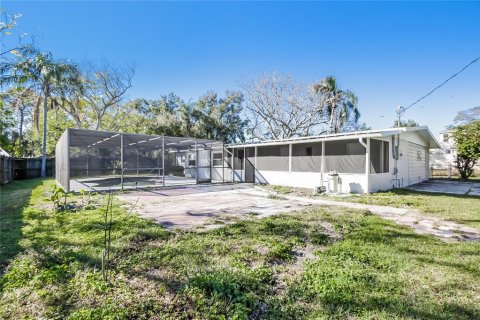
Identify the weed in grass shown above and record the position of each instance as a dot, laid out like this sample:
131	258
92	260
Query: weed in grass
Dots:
367	268
276	197
281	189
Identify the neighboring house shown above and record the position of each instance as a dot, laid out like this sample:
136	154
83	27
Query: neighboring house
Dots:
357	162
444	157
442	160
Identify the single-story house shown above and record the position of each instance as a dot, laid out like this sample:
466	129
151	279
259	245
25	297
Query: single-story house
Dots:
353	162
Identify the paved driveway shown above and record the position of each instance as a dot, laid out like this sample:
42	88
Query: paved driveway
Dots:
448	186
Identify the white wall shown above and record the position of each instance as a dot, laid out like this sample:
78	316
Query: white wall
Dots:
348	182
357	183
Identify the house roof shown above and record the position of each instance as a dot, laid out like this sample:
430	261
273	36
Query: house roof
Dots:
4	153
422	131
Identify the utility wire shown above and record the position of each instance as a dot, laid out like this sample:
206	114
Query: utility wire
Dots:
440	85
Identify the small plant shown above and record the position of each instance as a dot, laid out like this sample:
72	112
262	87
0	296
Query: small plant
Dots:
58	195
88	194
281	189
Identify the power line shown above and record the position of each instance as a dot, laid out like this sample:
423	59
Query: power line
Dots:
440	85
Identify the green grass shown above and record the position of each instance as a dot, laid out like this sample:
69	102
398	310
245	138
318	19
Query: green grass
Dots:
354	265
459	208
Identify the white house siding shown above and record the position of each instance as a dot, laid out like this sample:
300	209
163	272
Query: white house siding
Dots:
348	182
418	163
410	168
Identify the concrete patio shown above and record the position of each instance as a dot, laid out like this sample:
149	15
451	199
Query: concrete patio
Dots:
448	186
212	206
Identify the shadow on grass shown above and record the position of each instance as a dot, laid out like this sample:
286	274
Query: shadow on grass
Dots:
14	199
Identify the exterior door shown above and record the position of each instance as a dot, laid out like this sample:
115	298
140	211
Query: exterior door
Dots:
249	165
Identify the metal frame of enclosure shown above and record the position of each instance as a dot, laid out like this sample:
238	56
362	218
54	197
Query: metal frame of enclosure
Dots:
102	161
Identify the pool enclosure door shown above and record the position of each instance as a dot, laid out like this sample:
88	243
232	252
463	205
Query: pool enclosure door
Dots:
250	165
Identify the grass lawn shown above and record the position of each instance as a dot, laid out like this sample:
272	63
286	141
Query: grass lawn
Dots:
318	263
459	208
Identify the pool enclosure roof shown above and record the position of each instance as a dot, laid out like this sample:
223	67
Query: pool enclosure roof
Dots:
422	131
84	138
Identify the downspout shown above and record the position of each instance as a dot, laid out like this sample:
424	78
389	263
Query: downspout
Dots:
367	161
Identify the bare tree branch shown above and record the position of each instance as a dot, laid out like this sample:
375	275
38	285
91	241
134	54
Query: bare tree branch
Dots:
279	107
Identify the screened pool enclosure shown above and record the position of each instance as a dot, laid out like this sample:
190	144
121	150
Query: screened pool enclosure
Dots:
100	160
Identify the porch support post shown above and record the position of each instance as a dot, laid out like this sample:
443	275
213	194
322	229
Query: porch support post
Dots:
233	165
244	164
255	166
367	165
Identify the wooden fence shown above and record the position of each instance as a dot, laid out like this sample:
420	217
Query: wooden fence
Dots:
6	172
23	168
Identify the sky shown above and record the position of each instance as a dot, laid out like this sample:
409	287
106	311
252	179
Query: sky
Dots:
388	53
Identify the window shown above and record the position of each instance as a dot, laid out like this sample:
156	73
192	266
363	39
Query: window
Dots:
217	159
309	152
445	137
379	156
419	155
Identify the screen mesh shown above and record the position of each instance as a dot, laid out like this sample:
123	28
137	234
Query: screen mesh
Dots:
307	157
344	156
272	158
148	160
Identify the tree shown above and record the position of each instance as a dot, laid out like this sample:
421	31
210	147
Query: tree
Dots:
405	123
23	101
7	126
467	116
467	141
279	107
219	118
340	105
105	88
8	25
43	72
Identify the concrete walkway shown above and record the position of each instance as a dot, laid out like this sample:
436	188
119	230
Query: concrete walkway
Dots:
419	222
207	207
448	186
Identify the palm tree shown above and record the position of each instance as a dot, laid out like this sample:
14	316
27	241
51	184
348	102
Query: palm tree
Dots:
44	73
340	105
23	100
